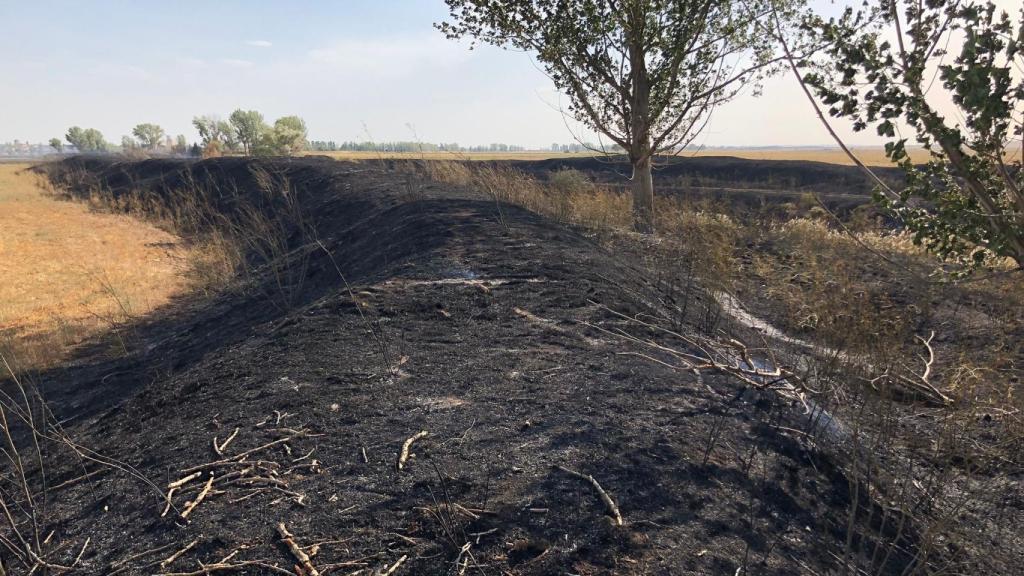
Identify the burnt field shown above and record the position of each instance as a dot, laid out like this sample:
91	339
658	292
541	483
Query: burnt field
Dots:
735	181
411	378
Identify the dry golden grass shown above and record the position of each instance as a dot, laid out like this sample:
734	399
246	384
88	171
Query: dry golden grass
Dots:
863	290
870	156
67	273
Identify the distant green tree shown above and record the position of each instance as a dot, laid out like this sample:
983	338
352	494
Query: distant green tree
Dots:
266	145
217	135
211	128
890	64
290	135
180	144
646	74
76	137
249	128
57	144
127	144
149	135
87	140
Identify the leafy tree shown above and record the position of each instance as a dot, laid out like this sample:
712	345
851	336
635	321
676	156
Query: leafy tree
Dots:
644	73
57	145
76	137
290	135
266	145
127	144
249	128
87	140
888	67
212	129
149	135
180	144
216	134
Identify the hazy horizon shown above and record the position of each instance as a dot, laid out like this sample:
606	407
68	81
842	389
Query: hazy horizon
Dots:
358	71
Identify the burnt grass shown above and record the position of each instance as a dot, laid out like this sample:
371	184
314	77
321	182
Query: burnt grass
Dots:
736	182
422	307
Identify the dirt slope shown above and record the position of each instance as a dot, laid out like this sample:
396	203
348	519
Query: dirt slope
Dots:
472	322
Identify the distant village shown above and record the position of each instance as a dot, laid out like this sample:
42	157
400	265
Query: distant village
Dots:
19	149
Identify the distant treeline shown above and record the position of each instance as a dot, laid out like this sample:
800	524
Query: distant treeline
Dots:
332	146
403	146
246	132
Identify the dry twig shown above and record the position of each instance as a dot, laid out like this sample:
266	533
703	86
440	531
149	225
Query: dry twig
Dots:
922	381
220	449
207	569
181	482
613	509
296	550
404	454
170	559
395	566
190	506
708	357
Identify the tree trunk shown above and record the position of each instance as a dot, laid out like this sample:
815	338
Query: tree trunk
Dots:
640	121
643	196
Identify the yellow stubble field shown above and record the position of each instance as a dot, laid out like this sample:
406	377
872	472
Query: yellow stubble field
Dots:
68	273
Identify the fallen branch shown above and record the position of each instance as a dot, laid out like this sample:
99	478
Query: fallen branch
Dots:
404	454
170	559
236	474
243	455
74	481
613	509
220	449
250	495
173	487
190	506
922	382
404	538
167	508
395	566
122	565
81	552
296	550
231	567
462	561
181	482
239	457
545	322
281	416
709	357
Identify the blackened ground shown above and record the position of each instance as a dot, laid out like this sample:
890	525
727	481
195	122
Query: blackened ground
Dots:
737	181
471	321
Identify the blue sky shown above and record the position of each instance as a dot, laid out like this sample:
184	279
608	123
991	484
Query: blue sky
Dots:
354	69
